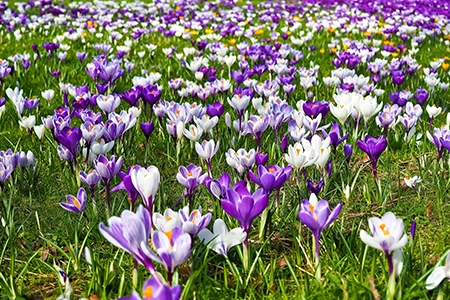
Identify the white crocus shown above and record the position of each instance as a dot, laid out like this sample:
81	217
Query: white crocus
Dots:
101	147
220	240
343	108
433	111
48	94
194	133
439	274
301	154
39	130
28	122
207	149
206	123
146	182
322	150
368	107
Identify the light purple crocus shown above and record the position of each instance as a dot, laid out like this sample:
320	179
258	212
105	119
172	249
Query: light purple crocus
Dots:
130	232
107	169
190	177
173	248
75	204
154	289
193	222
316	215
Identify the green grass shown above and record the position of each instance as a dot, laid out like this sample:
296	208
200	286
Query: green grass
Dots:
283	259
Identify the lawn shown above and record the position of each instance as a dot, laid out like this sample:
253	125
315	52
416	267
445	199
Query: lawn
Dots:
224	149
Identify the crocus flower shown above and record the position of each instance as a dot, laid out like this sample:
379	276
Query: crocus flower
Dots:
220	240
168	221
301	154
147	128
193	222
75	204
387	235
69	138
127	185
314	187
373	147
5	172
146	182
190	177
108	103
173	248
270	178
218	188
439	274
91	179
154	289
206	150
411	182
131	232
316	215
243	205
107	169
348	152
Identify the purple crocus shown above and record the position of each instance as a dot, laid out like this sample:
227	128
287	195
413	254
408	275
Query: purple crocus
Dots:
147	128
215	110
348	152
69	138
314	186
373	147
127	185
218	188
75	204
314	108
244	206
421	96
154	289
5	171
91	178
270	178
316	215
335	135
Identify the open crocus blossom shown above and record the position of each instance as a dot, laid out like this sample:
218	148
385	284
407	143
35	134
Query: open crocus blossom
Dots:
173	248
387	235
373	146
439	274
270	178
316	215
154	289
193	222
130	232
220	240
75	204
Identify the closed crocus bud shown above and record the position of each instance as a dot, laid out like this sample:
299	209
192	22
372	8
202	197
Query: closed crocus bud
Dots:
23	162
30	158
228	120
261	158
329	167
348	152
147	128
39	130
412	230
284	143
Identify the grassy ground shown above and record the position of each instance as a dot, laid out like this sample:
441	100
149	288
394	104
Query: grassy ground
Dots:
46	235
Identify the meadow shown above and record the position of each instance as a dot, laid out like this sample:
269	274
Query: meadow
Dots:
224	149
